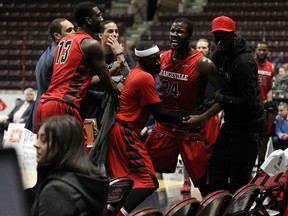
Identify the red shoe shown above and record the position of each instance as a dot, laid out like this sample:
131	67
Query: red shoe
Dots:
186	188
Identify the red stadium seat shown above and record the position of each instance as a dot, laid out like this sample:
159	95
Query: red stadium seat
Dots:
118	192
242	200
146	211
271	192
185	207
214	203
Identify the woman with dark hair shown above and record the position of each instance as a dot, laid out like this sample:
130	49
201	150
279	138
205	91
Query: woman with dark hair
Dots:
68	183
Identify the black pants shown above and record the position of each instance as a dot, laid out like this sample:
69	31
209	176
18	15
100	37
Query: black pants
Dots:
279	144
233	158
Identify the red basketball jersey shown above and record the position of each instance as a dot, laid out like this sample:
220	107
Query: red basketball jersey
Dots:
265	75
71	72
139	90
182	90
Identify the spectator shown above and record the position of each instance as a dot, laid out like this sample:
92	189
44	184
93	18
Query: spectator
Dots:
77	58
203	46
57	29
127	155
68	183
280	84
184	77
236	148
20	112
265	76
22	109
280	141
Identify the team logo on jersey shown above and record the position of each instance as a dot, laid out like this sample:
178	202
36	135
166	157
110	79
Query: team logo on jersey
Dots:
174	75
185	66
263	72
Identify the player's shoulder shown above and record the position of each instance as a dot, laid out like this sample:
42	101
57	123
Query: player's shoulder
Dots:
204	61
90	45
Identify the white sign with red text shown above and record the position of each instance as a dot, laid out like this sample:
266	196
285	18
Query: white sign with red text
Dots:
22	140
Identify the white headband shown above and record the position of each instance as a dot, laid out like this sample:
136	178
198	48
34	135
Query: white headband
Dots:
147	52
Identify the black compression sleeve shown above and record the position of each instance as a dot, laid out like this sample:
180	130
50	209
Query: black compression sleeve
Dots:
162	115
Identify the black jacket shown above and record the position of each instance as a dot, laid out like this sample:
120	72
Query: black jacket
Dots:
70	194
25	114
242	103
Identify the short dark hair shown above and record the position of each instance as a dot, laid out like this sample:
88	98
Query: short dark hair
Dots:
261	42
55	27
105	23
143	45
83	10
187	22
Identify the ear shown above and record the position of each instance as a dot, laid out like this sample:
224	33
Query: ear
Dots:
57	36
88	20
100	35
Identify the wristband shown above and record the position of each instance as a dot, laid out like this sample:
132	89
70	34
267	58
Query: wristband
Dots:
121	53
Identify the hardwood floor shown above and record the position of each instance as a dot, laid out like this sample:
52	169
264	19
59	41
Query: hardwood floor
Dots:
169	192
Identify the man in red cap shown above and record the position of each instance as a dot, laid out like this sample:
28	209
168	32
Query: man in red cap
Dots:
236	148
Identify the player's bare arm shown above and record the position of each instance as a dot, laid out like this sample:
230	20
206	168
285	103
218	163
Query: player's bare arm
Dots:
206	67
93	52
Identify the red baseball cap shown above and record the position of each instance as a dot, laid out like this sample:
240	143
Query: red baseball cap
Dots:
223	23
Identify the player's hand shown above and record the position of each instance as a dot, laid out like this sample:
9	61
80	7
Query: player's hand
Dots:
114	45
117	66
193	120
198	110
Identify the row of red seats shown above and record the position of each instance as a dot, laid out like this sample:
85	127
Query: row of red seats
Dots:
257	197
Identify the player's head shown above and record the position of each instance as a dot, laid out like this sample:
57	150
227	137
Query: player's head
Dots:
88	15
148	57
261	50
180	33
106	25
59	28
203	46
223	29
108	29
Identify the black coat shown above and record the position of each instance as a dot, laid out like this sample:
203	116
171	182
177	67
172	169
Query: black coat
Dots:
70	194
242	102
25	114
